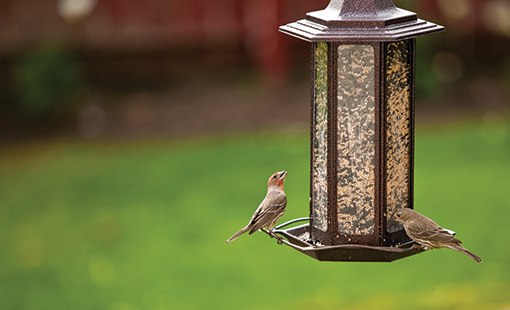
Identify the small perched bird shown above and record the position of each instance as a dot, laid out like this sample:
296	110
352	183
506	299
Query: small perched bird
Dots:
270	210
428	234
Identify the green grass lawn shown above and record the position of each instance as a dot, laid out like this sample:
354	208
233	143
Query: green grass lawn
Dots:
132	226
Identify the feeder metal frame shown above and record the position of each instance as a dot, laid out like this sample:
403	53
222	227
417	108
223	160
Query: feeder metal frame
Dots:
377	23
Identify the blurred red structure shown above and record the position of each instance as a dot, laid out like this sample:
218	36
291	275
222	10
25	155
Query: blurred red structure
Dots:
158	25
145	26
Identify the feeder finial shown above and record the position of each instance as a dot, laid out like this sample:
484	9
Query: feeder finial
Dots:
346	8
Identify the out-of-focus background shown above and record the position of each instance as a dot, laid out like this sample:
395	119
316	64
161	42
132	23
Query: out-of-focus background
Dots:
137	136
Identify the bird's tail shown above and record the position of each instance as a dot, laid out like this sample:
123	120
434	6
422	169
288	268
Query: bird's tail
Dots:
237	234
461	249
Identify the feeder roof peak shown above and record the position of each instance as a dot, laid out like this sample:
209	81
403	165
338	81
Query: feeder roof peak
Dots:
368	13
360	20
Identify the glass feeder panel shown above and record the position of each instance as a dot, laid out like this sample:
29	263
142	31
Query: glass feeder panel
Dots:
398	128
320	138
356	140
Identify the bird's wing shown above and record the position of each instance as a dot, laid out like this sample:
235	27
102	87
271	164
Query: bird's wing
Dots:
425	228
267	211
437	234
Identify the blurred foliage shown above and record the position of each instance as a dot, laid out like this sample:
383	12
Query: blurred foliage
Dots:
427	84
47	81
143	226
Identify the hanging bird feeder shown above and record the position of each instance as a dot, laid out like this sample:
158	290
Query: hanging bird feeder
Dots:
362	130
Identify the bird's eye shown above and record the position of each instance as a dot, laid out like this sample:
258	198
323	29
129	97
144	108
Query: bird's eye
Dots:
274	176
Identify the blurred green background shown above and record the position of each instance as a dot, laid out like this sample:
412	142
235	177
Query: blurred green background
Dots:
143	226
137	136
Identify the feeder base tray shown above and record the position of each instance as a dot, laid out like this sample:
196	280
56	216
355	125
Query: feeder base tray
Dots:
344	252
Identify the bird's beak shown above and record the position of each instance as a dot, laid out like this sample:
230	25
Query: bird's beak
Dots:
283	174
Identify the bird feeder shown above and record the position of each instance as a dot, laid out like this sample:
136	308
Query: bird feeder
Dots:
362	129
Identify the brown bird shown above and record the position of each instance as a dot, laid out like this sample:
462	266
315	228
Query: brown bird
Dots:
270	210
428	234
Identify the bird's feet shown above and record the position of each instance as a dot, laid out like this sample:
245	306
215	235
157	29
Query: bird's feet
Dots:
417	246
279	239
271	233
